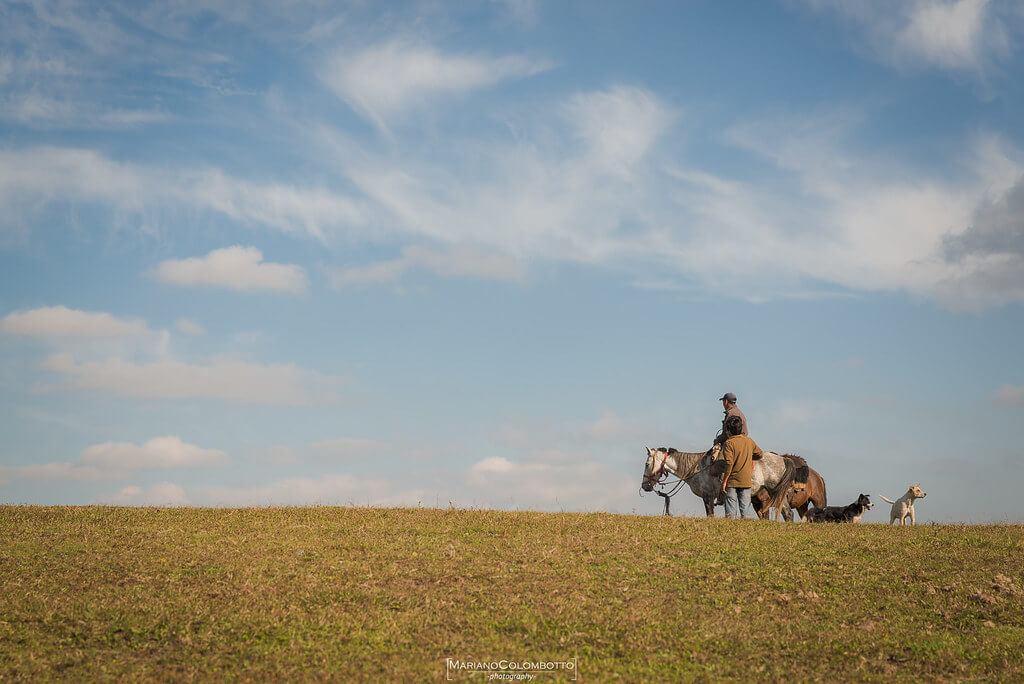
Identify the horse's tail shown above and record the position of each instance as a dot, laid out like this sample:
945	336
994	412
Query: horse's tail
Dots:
803	473
778	494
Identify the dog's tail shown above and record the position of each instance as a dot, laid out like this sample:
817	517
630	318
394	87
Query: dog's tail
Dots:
884	499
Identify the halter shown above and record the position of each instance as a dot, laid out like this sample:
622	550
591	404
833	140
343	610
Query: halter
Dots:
658	475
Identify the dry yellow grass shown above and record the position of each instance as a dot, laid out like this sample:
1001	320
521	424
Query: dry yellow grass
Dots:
366	593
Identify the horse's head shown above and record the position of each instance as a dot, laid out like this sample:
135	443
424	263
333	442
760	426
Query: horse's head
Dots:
654	469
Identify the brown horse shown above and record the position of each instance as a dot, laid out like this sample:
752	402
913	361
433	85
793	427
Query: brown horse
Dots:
808	487
812	492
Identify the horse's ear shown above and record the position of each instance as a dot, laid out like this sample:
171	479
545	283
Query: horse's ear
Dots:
648	449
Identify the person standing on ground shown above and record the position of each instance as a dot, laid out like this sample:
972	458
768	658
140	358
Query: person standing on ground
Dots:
739	452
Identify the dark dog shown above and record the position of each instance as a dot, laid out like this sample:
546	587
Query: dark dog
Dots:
839	514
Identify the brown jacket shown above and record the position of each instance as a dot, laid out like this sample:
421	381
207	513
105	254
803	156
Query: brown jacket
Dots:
733	410
739	452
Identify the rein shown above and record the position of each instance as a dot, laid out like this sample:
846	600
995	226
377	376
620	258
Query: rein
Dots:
658	476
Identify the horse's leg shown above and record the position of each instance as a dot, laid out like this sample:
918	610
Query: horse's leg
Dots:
787	512
758	502
709	506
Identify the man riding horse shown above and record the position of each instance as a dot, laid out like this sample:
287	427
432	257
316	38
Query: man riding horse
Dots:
730	409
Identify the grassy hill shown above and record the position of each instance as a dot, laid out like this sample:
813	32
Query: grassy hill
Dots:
366	593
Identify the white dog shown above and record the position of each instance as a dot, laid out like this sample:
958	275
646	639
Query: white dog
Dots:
903	507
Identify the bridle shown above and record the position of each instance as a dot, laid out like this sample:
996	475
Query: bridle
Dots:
658	475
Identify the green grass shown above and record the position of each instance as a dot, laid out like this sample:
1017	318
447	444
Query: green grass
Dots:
370	593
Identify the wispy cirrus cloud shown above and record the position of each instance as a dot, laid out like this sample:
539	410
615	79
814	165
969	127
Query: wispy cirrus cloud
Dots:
384	81
820	219
596	179
36	110
32	178
455	262
577	195
235	268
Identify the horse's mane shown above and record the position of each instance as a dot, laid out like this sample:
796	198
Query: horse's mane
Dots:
798	461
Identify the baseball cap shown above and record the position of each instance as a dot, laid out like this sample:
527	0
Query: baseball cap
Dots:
728	396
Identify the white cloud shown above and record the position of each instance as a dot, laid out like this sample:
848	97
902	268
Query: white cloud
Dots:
222	378
163	494
618	125
597	179
384	80
1011	394
575	196
854	221
949	34
467	262
559	441
189	327
113	460
497	465
159	452
235	268
952	34
76	472
608	427
304	491
60	322
569	483
824	219
493	482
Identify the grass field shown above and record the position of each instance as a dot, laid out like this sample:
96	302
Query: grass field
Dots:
369	593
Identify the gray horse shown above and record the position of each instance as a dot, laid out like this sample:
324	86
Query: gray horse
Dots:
702	472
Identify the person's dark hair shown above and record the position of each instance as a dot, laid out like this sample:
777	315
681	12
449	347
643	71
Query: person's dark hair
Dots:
734	425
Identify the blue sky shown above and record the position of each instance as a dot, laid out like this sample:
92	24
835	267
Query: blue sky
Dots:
483	253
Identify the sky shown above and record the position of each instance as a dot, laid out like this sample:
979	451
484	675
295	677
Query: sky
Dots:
480	254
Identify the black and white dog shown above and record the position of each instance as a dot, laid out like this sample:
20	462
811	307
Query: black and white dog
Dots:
839	514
